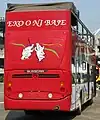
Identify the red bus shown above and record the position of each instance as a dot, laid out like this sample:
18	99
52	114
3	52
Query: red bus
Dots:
49	58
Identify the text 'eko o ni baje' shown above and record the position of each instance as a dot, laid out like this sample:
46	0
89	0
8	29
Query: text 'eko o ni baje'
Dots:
38	23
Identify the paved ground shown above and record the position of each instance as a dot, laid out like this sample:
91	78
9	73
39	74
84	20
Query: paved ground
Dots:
1	93
1	87
90	113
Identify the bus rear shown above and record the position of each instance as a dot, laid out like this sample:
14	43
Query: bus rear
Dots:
37	60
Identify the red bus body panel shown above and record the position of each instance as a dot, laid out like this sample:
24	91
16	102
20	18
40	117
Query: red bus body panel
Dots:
55	36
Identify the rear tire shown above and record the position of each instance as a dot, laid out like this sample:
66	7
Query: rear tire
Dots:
28	112
91	100
79	110
33	112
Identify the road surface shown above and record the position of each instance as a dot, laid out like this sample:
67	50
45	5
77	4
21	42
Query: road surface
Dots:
89	113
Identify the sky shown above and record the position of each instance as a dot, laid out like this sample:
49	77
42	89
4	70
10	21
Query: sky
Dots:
89	10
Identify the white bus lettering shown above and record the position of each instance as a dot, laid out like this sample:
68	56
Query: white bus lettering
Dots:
56	22
10	23
19	23
63	22
37	22
47	22
53	22
28	23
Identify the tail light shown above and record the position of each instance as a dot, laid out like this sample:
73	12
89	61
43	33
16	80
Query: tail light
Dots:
62	89
9	89
9	85
61	83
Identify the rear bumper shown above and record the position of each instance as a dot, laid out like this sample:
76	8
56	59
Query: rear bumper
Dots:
10	104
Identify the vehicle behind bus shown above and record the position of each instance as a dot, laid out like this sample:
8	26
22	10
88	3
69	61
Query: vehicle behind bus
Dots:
98	72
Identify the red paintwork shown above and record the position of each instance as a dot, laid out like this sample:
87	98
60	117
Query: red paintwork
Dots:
12	104
35	90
